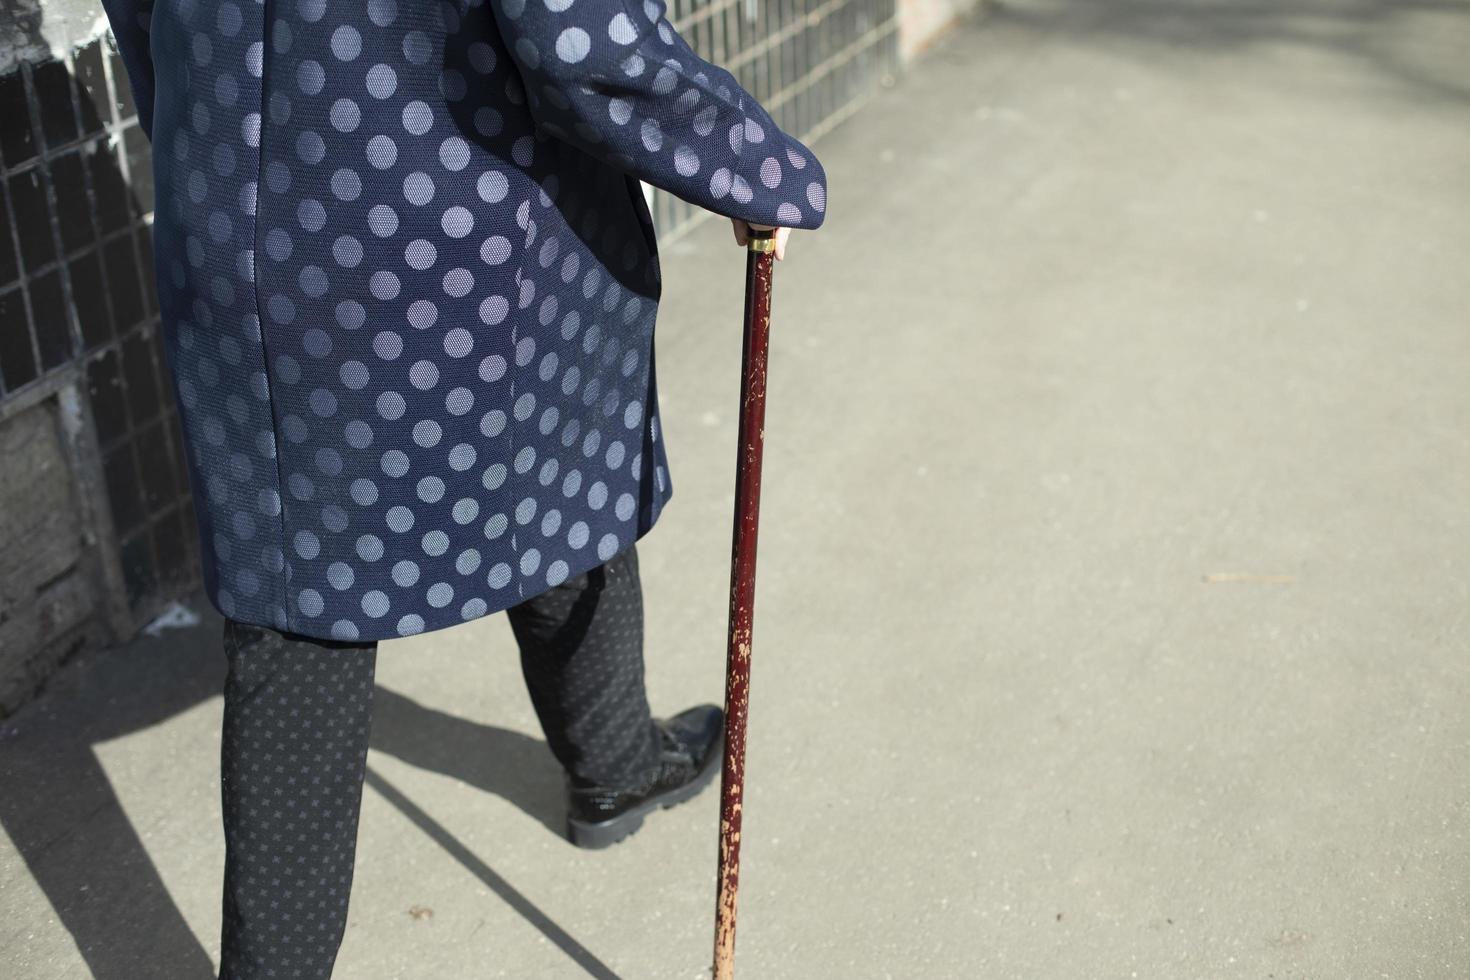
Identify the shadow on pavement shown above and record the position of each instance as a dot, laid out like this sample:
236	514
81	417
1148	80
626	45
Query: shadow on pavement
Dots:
59	808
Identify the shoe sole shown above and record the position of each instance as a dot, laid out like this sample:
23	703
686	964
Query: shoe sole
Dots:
606	833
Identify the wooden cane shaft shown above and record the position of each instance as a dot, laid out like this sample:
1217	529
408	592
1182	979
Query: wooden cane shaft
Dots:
758	268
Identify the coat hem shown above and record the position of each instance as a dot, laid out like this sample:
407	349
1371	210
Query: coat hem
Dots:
451	615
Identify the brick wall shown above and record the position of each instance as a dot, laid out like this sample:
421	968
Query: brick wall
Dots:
96	532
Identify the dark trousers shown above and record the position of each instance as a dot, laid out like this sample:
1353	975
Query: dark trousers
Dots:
297	717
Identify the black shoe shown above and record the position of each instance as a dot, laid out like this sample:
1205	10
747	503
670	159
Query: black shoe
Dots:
599	816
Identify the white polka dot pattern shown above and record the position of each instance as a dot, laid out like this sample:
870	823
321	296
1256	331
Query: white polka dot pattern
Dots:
409	286
618	81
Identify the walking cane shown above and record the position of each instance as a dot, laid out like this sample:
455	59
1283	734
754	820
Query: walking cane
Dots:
759	259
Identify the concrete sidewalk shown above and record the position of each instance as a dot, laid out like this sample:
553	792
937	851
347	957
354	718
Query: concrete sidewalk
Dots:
1114	570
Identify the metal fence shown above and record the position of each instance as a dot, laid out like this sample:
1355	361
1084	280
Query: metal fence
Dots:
77	305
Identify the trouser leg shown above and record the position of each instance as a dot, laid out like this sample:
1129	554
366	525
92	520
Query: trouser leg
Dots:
581	646
293	754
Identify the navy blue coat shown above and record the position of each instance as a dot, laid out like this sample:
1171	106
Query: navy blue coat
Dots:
408	284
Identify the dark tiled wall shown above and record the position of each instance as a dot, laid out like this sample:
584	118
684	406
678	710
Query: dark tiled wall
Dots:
77	298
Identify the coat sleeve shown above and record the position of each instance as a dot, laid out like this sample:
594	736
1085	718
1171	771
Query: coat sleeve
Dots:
130	20
614	79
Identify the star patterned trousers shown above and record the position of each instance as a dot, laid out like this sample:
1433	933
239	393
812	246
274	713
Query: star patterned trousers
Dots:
297	719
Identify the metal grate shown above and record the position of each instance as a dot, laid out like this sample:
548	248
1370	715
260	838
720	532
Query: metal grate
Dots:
77	300
810	63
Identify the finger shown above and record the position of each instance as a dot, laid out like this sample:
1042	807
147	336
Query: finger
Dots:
781	235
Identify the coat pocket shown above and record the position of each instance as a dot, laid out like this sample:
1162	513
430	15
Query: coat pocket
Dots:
645	225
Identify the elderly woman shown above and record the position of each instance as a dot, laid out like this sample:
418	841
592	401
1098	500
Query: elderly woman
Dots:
408	283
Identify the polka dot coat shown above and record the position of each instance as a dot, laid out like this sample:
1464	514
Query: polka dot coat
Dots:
408	284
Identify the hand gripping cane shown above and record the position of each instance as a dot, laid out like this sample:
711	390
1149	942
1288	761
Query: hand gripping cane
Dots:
759	259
